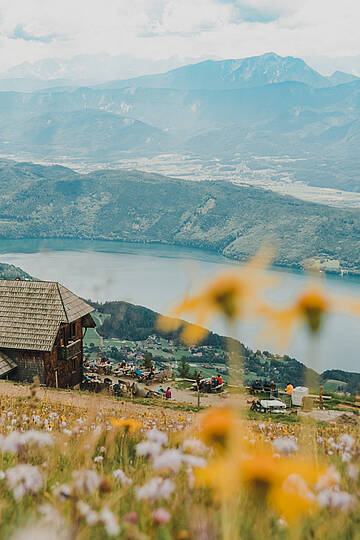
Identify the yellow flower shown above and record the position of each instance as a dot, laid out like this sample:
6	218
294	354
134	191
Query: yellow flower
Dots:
233	294
220	475
293	499
127	423
310	308
284	484
218	425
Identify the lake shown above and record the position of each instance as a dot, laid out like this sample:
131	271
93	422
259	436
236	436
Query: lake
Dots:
155	276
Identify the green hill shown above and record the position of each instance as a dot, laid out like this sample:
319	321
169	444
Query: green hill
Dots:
134	206
127	321
9	271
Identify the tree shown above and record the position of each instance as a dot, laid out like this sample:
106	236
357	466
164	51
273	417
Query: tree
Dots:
184	369
148	361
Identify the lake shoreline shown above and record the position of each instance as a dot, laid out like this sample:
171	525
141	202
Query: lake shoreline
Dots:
275	266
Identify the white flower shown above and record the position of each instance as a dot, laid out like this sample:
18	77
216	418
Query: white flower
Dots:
295	483
86	481
352	472
90	516
194	461
24	479
109	521
156	488
98	459
120	475
334	498
330	478
346	441
51	515
148	448
62	492
194	446
285	445
156	436
16	440
170	459
41	531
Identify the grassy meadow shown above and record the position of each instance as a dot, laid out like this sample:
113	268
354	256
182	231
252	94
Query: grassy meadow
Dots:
70	472
96	468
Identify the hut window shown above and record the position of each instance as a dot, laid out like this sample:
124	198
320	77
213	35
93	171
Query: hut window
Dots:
62	336
72	329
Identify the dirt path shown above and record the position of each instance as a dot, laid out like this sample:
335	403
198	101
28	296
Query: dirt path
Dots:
77	399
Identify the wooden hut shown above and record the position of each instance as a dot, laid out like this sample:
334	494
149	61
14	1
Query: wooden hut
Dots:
41	332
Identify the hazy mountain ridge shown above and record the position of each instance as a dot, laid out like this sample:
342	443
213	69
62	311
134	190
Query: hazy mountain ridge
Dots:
218	74
140	207
290	119
231	74
316	125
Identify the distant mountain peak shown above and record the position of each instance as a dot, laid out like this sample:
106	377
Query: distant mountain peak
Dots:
231	74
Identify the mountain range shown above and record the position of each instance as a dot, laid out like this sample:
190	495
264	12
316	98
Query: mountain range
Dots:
276	114
268	68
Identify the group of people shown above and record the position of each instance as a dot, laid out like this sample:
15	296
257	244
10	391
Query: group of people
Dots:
140	374
270	387
210	383
166	392
267	386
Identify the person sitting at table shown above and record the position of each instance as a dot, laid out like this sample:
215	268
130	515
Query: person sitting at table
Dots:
168	393
273	389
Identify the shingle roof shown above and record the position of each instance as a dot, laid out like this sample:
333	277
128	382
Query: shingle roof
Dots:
6	364
31	312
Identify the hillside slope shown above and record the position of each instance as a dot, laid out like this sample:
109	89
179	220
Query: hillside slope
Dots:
140	207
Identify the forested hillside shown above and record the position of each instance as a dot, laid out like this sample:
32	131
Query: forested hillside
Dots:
130	322
9	271
132	206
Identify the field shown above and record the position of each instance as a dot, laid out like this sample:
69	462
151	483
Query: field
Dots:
76	466
85	466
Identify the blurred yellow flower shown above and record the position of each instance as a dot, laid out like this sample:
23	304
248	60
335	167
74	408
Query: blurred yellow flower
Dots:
127	423
233	294
218	425
283	483
310	308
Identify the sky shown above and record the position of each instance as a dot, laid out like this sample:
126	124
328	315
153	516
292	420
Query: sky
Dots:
158	29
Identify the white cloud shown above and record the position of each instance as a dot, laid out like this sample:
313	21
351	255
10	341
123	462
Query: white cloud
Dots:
156	29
